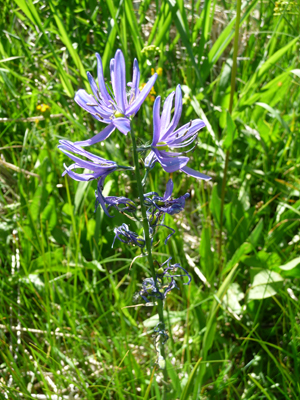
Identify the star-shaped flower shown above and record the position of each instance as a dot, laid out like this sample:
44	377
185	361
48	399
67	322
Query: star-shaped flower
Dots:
116	106
166	139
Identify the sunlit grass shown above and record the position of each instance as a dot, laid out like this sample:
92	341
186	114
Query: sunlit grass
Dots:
66	325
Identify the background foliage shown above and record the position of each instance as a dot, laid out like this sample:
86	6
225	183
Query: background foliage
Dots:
64	324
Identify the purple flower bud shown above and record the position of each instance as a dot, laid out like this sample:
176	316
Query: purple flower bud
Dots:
125	235
121	204
165	204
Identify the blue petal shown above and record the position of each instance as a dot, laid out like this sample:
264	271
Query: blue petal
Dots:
120	81
135	82
101	199
97	138
83	99
186	131
169	190
166	114
171	164
122	124
101	81
135	106
156	121
177	114
195	174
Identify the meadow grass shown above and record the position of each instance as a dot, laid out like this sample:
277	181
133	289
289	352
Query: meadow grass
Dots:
68	324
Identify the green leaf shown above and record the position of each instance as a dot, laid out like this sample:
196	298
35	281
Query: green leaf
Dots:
231	132
173	316
265	284
292	268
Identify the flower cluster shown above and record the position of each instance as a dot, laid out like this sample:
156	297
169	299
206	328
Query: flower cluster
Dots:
116	106
163	282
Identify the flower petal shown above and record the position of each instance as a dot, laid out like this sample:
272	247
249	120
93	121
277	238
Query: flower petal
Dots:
94	86
134	92
150	160
97	138
156	121
186	131
100	198
169	190
101	81
76	176
135	106
166	114
83	99
122	124
120	81
195	174
176	116
171	164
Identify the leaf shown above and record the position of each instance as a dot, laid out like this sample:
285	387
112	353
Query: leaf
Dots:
231	133
265	284
296	72
275	114
233	297
215	205
188	386
246	247
292	268
173	316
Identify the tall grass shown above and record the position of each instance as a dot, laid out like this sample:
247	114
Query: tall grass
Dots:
67	325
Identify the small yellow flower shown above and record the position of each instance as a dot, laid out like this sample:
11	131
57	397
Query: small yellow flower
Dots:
152	71
159	71
150	96
43	107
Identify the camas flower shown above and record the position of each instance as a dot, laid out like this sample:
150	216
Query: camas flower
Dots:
165	204
121	204
166	138
125	235
99	166
117	107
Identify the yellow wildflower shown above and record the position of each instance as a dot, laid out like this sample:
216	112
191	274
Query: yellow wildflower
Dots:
159	71
151	94
43	107
152	71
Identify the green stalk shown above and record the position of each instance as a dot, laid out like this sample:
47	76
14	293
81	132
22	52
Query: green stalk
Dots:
146	230
233	76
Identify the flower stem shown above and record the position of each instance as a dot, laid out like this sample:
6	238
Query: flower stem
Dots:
146	231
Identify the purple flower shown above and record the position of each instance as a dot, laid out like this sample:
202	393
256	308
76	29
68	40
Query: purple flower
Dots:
166	139
121	204
125	235
165	204
99	166
115	108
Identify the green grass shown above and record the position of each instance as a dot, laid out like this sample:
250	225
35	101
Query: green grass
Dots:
67	324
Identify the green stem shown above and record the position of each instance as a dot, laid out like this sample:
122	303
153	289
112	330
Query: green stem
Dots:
233	76
146	231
